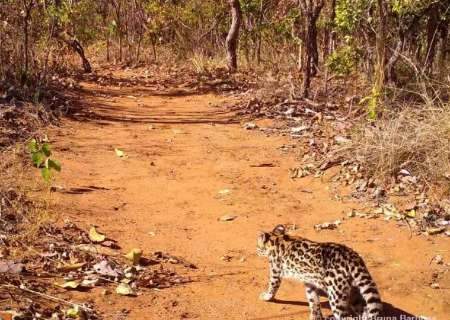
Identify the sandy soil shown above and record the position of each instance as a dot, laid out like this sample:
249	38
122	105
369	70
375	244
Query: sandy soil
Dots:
182	150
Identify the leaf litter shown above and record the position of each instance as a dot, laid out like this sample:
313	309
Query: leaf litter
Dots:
69	258
322	135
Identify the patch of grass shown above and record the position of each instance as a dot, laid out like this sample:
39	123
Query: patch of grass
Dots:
23	212
417	140
203	64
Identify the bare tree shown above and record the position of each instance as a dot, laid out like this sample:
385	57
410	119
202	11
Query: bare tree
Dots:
27	7
310	10
233	34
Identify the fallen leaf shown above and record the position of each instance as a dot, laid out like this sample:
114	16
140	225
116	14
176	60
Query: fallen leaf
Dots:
95	236
327	225
341	140
134	255
227	217
250	126
70	285
299	129
435	285
119	153
73	312
224	192
411	213
110	244
11	267
89	283
104	268
432	231
71	267
125	289
94	249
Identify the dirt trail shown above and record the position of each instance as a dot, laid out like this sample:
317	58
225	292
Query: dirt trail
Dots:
182	150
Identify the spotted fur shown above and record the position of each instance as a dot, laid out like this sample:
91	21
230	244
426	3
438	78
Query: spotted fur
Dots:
329	268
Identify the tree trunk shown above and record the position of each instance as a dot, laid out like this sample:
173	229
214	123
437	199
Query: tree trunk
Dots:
307	61
390	66
444	46
328	37
26	18
76	46
314	50
259	35
380	68
311	12
432	36
233	35
107	48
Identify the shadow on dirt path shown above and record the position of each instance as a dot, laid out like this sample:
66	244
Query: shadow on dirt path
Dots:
188	163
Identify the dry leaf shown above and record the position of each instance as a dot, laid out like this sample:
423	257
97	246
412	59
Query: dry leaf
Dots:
95	236
120	153
227	217
70	285
125	290
134	255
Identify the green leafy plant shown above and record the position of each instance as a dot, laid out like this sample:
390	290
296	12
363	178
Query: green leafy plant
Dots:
40	156
343	61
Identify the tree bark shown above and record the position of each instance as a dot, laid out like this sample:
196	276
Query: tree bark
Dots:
390	66
76	46
328	36
311	12
233	34
380	68
432	37
26	18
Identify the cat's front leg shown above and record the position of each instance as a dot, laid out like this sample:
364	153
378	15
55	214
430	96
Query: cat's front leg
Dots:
274	283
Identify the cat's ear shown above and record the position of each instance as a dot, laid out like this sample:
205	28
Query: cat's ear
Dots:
279	230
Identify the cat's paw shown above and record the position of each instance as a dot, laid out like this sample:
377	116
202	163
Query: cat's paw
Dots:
265	296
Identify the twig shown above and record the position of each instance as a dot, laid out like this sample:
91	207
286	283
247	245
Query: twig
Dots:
49	297
409	227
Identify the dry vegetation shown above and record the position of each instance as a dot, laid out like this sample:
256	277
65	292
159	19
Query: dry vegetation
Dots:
416	140
361	84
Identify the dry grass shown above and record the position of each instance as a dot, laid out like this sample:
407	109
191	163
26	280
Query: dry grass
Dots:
410	139
203	64
23	213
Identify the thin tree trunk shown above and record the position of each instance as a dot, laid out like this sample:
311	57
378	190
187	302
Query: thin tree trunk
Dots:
444	47
76	46
107	48
27	10
311	12
327	49
259	35
233	34
380	67
390	66
432	30
138	51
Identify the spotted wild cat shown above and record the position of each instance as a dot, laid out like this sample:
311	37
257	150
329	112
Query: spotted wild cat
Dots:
329	268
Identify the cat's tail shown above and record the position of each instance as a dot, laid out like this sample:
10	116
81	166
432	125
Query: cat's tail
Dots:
369	292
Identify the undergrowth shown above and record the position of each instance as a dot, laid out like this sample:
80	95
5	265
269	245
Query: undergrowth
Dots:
23	210
415	140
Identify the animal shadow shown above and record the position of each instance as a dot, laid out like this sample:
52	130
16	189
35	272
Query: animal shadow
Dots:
389	311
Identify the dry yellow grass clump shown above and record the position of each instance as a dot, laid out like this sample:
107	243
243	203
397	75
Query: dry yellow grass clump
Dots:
417	140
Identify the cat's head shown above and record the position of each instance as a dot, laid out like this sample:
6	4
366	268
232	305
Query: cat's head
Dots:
267	240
